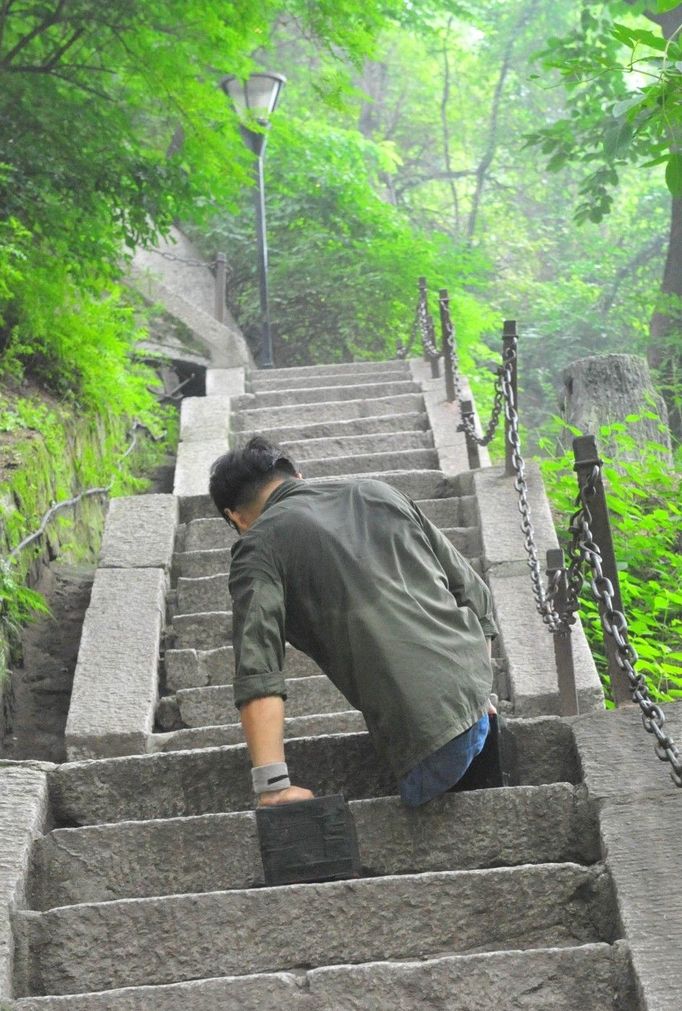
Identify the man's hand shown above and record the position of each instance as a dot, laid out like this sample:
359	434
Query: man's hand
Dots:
288	796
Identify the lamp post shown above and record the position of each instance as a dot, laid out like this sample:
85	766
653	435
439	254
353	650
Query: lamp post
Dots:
255	100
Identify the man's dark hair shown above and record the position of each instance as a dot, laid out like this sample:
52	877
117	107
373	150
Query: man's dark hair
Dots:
238	476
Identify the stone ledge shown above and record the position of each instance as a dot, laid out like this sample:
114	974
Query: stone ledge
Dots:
528	649
204	419
193	467
225	382
23	814
444	418
115	686
140	532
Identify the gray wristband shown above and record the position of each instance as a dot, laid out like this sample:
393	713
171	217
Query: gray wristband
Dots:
268	778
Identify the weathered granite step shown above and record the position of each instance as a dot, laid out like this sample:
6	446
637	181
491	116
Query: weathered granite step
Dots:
372	463
206	589
201	563
323	395
203	534
591	977
73	949
192	668
214	533
263	383
207	592
258	418
484	828
218	779
458	511
411	421
202	630
416	484
347	721
343	368
387	442
201	707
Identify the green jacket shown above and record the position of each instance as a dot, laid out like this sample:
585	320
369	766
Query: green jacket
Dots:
353	574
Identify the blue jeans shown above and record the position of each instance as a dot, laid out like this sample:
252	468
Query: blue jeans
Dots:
436	773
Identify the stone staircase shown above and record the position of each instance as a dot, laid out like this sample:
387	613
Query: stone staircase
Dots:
145	890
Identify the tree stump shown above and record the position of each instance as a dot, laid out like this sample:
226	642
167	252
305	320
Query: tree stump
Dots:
607	389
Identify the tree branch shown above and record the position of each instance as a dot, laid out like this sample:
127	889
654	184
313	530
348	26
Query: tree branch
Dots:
445	128
52	19
491	146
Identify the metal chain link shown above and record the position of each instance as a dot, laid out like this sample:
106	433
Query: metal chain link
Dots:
467	424
615	624
183	259
431	351
403	350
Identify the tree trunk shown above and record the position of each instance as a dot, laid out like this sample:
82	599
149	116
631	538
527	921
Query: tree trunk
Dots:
664	352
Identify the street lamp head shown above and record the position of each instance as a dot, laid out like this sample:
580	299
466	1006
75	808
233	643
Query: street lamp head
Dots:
255	98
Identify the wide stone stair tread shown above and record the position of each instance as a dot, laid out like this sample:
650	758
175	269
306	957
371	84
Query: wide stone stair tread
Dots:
328	395
257	418
135	941
201	707
342	368
346	721
260	383
334	466
193	668
210	780
303	450
200	630
465	831
591	977
412	421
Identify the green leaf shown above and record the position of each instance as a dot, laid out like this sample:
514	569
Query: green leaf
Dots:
673	174
617	138
662	6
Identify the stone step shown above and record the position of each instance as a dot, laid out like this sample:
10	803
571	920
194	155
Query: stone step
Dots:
218	779
458	511
327	395
461	831
204	593
201	630
201	707
195	668
203	534
388	442
412	421
262	383
347	721
373	463
255	419
214	534
202	563
416	484
72	949
343	368
591	977
207	589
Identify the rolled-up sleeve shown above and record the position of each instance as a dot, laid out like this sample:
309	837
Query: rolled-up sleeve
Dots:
258	623
465	584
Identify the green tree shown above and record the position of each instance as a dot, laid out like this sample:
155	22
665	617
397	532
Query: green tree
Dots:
624	83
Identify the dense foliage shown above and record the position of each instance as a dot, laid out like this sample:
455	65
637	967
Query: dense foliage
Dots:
645	506
525	154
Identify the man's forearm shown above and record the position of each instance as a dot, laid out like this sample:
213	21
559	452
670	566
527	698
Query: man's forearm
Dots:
263	724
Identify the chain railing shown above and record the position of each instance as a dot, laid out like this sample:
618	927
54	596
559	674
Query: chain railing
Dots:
219	268
590	552
104	490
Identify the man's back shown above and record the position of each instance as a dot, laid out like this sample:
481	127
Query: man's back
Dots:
353	574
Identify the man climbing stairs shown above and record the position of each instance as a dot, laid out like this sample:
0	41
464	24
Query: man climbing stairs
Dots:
145	888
